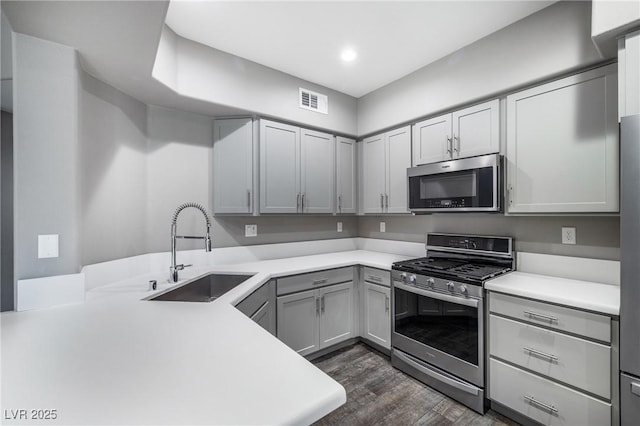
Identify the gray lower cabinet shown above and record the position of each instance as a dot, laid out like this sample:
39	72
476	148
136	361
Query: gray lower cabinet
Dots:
375	306
315	310
550	363
260	306
234	165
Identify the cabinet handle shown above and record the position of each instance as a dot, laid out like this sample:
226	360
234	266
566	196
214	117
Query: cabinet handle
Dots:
386	304
298	202
303	194
551	358
386	201
320	281
381	201
539	404
449	145
340	202
455	138
374	278
249	199
535	315
510	194
322	305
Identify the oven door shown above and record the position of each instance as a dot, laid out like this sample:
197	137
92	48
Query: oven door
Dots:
440	329
465	185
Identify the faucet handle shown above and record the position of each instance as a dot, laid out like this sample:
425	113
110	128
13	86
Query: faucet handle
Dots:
181	267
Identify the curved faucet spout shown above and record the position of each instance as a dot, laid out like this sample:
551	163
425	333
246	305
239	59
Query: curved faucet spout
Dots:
173	276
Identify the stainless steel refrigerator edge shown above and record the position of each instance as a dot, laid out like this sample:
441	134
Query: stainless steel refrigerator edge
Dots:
630	270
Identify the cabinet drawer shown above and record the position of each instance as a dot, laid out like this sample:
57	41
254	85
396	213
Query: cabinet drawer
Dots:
377	276
311	280
578	362
560	318
543	400
250	304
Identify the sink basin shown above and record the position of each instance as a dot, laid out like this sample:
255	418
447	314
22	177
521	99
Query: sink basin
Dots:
204	289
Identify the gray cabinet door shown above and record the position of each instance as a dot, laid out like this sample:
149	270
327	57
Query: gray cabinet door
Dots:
336	314
562	146
279	168
432	140
377	319
399	159
476	130
233	166
374	173
297	318
346	175
318	172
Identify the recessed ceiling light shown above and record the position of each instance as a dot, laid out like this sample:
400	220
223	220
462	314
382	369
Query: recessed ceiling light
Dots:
348	55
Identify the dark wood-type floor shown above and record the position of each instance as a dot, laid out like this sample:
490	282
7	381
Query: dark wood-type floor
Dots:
378	394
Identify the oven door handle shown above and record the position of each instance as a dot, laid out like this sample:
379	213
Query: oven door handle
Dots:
434	295
435	375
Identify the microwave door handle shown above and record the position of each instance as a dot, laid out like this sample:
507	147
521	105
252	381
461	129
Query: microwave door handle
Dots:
473	303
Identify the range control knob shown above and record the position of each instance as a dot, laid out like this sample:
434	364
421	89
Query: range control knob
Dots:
464	290
412	279
404	277
450	286
431	282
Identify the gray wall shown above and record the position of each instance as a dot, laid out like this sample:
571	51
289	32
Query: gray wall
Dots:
596	236
553	41
6	212
45	155
242	84
113	170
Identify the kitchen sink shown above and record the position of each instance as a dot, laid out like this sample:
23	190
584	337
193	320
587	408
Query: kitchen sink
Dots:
204	289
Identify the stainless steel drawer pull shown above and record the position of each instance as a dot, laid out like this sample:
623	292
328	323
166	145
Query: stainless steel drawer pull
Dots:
542	354
317	307
320	281
249	200
374	278
539	404
534	315
449	145
382	201
322	305
386	304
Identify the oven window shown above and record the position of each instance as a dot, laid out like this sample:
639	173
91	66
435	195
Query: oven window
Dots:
452	185
445	326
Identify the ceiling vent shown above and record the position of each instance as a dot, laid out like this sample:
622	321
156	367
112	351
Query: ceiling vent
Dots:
314	101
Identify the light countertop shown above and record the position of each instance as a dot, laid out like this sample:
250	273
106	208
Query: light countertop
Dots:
602	298
119	359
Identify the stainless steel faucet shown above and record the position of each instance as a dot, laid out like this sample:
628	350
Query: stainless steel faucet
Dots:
173	270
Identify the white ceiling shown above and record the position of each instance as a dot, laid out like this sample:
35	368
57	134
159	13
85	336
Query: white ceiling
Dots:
305	38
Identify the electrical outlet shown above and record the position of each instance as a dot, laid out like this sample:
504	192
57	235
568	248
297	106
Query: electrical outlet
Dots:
339	226
383	227
568	235
251	230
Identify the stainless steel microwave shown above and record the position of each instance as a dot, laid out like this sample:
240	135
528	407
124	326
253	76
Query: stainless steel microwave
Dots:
463	185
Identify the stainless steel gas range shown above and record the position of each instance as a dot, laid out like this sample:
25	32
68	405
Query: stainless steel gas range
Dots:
438	313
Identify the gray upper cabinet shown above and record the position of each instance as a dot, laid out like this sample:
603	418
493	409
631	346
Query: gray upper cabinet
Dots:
297	169
465	133
318	172
233	166
562	146
279	168
345	175
385	159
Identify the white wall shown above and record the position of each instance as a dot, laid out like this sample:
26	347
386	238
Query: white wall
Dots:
113	170
45	155
553	41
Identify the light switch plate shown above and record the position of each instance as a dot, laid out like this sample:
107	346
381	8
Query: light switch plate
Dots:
339	226
383	227
251	230
568	235
48	246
